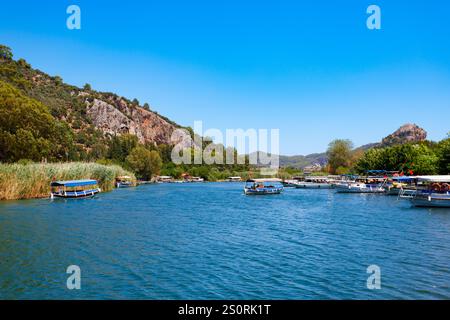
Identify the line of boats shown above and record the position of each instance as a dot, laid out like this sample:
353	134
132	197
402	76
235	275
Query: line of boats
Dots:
422	191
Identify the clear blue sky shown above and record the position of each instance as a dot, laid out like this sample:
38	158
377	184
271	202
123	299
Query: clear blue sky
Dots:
310	68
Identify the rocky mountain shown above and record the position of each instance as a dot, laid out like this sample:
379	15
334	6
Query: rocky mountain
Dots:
114	116
92	116
406	133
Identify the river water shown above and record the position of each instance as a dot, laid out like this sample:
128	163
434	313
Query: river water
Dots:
209	241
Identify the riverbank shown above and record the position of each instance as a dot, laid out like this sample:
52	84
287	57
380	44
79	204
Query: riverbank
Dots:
29	181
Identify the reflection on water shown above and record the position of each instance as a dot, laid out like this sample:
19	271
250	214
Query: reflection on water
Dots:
200	241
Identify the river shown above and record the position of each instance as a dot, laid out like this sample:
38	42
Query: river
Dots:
209	241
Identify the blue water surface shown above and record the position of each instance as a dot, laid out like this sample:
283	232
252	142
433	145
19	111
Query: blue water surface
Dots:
209	241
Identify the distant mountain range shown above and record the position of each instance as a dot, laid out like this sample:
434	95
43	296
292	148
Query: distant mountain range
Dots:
406	133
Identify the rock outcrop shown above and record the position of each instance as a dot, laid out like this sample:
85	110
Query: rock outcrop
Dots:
116	116
405	134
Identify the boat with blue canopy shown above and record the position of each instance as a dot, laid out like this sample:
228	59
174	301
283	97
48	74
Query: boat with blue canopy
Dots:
74	189
403	186
263	186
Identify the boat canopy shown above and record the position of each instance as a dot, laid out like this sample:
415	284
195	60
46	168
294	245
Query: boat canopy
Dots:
434	178
74	183
404	178
265	180
381	172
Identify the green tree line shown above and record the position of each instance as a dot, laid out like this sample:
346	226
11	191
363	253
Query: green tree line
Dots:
421	158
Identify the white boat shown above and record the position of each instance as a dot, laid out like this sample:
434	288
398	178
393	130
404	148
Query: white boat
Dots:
359	187
313	183
433	192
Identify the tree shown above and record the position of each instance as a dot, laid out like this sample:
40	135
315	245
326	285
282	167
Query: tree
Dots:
87	87
339	155
146	106
28	130
144	163
121	146
135	102
407	158
5	52
443	152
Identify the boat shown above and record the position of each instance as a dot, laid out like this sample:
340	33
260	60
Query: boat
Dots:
263	187
362	185
289	183
124	182
313	182
401	185
432	191
74	189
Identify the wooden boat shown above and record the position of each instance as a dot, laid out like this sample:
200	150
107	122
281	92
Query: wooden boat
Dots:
124	182
263	187
433	191
74	189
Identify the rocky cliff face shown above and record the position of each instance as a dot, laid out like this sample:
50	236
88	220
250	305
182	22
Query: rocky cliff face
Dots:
117	116
406	133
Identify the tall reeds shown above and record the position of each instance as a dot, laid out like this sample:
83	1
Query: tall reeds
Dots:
27	181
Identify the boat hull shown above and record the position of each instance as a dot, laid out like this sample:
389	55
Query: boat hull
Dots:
398	191
432	200
261	192
75	195
358	189
314	186
124	185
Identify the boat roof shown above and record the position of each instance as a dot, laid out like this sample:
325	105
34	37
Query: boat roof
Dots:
434	178
74	183
124	177
265	180
404	178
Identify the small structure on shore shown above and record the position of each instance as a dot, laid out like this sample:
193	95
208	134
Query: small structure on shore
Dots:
234	179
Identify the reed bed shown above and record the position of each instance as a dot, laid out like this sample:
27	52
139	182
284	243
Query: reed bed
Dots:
28	181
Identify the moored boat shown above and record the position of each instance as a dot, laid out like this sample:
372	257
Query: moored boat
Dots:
433	191
74	189
263	187
124	182
313	183
403	186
